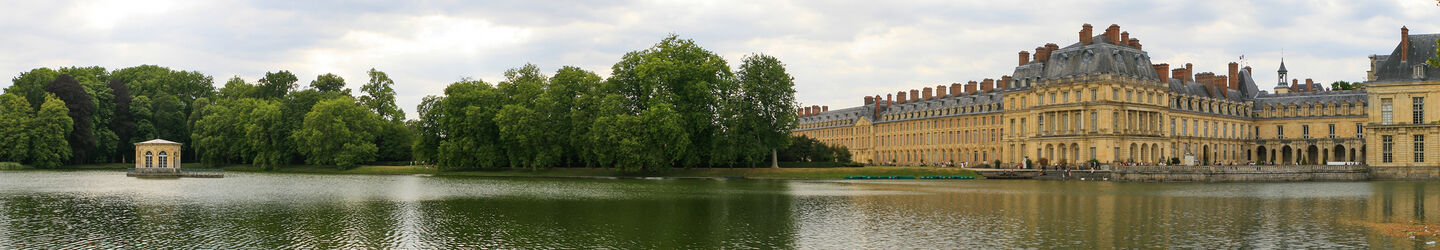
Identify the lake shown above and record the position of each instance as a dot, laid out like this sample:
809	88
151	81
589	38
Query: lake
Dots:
105	209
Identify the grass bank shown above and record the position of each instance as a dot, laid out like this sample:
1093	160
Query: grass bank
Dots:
754	173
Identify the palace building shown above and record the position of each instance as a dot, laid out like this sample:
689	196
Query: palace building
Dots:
1102	98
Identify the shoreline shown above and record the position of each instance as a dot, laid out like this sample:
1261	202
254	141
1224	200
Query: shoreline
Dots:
837	173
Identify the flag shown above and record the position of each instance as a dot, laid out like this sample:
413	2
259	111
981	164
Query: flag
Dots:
1242	57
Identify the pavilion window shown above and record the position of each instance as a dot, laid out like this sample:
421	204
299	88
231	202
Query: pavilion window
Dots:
164	159
148	158
1387	148
1419	148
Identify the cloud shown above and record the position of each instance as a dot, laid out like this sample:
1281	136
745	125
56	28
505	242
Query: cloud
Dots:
838	51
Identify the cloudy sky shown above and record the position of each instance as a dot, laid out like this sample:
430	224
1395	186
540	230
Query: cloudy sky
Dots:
838	51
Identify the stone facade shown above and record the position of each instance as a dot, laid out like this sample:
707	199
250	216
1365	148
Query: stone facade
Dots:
157	153
1101	98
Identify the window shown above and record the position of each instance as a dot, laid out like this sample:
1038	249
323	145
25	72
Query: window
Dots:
1359	130
1305	131
1419	72
1279	132
1419	148
1115	95
1022	126
1172	126
1094	122
1065	97
1417	110
147	159
1332	130
1052	98
1129	96
1386	106
1094	96
1387	147
164	159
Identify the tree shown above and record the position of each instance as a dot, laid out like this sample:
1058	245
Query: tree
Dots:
276	84
338	132
1435	61
15	132
428	129
678	73
49	130
328	83
123	124
569	100
380	97
80	107
766	105
237	88
31	85
221	134
1341	85
472	139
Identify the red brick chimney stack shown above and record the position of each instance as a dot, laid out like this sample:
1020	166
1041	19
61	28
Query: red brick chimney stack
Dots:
869	100
1040	55
888	100
824	108
1004	82
939	91
900	97
1189	72
955	89
1113	34
1309	84
987	85
1234	81
1024	57
1161	71
927	93
914	95
1086	34
970	87
1404	44
1124	38
1295	85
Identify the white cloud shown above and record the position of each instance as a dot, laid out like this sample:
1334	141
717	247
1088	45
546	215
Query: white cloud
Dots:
837	51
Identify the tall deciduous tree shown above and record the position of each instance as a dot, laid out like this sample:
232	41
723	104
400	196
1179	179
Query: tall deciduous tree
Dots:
428	130
683	75
380	96
570	99
472	137
765	117
123	123
15	132
81	108
328	83
276	84
50	129
338	132
31	85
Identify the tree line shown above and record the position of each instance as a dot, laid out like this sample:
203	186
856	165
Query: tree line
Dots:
673	104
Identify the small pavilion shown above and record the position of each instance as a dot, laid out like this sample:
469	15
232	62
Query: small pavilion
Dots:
157	153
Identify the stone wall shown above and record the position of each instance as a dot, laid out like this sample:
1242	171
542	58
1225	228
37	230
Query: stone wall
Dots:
1241	173
1405	173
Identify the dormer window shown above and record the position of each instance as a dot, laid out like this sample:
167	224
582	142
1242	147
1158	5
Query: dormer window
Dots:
1419	72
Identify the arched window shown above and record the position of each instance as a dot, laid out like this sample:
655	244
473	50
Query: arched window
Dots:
164	159
148	156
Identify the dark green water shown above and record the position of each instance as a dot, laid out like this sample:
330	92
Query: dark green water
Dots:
102	209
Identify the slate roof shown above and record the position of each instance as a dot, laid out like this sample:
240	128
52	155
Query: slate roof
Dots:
1358	97
1422	47
1101	56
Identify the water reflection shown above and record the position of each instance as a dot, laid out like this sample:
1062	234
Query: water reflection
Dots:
107	210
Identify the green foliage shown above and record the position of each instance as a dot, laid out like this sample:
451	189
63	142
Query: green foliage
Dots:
31	85
338	132
806	149
468	121
1341	85
81	110
49	129
276	85
1435	61
237	88
428	129
764	111
15	132
380	96
329	83
680	74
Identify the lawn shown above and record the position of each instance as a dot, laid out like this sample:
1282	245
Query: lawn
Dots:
755	173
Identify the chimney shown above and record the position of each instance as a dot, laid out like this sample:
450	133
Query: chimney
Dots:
1220	82
970	87
1124	38
1085	34
1040	54
805	111
869	100
889	101
1404	44
1178	73
1113	34
1234	75
1309	84
914	95
955	89
1189	72
1133	42
1050	48
1024	57
1004	82
939	91
1161	71
824	108
900	97
1295	85
927	93
987	85
800	112
1138	46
